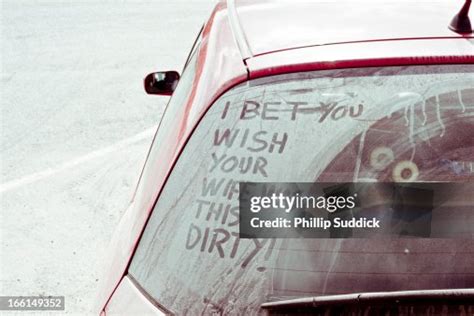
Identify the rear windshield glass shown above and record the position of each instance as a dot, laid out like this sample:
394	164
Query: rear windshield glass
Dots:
389	124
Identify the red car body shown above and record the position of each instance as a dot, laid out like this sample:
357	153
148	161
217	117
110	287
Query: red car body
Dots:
251	39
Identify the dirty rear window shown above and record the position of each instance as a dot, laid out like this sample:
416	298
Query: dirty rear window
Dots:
393	124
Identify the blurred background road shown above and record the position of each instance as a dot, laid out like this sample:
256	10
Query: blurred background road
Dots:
75	129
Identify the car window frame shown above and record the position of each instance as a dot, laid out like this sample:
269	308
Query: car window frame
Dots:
197	42
180	155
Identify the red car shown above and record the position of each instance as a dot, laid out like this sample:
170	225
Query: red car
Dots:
278	91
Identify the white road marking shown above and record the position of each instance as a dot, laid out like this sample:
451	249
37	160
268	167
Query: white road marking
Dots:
10	185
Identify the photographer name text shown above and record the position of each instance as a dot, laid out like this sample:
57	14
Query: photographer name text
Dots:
315	222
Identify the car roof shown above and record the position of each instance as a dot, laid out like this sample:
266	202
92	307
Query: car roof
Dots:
262	27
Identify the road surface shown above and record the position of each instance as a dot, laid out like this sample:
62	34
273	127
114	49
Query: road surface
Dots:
75	129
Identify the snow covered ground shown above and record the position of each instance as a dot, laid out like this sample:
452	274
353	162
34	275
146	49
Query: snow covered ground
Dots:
75	129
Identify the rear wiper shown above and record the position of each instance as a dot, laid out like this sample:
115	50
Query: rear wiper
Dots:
372	297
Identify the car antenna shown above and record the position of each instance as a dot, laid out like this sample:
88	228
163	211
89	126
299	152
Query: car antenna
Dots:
461	23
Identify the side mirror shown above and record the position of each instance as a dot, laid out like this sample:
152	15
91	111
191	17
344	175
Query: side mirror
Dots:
161	83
